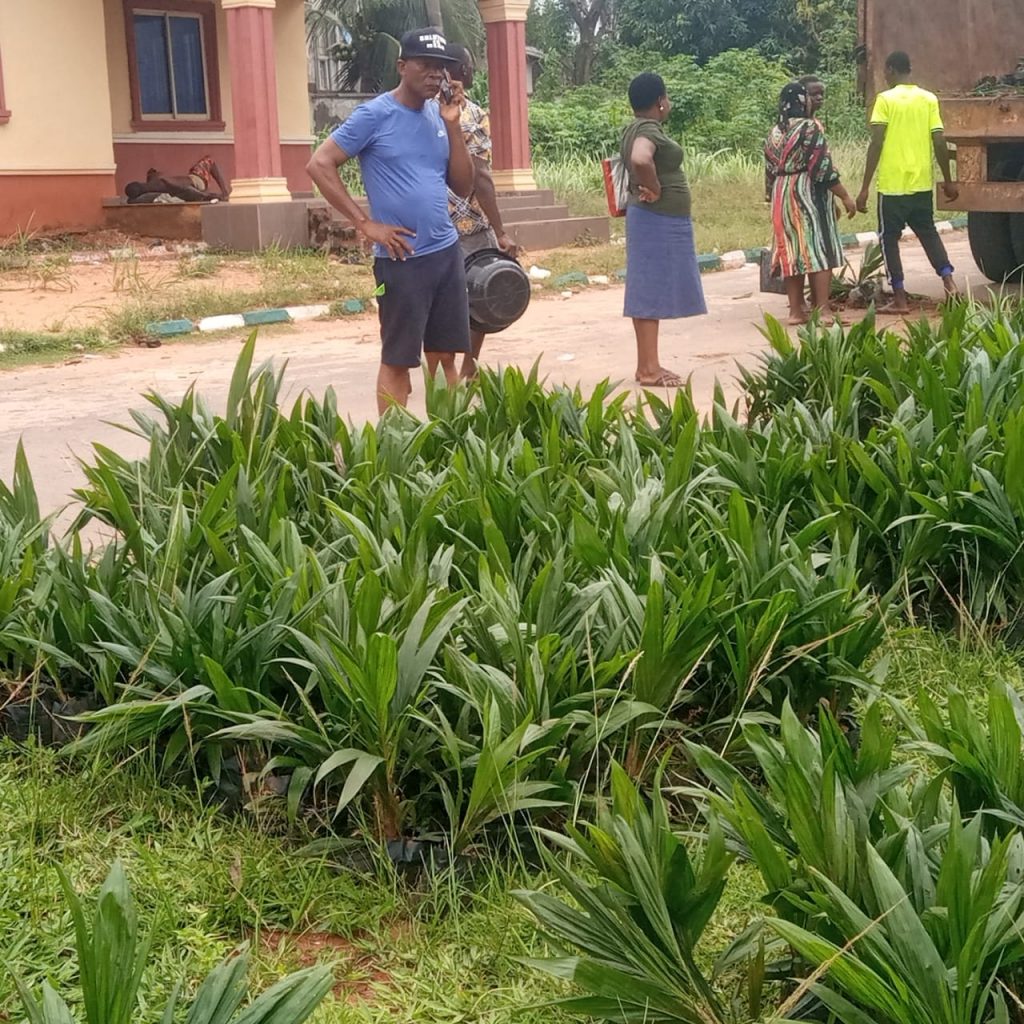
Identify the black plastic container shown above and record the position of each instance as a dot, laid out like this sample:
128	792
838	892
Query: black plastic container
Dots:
770	283
499	290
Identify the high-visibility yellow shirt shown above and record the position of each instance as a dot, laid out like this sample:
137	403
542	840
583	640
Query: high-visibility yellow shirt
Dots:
910	116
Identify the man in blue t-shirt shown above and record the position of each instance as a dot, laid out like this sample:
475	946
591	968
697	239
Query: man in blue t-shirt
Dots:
411	150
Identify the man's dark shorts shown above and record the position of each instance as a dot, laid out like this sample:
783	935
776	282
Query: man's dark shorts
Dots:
424	306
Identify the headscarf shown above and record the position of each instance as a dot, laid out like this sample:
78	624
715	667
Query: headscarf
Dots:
792	102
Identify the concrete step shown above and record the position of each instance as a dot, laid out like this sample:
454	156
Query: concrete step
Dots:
531	223
516	200
525	213
551	234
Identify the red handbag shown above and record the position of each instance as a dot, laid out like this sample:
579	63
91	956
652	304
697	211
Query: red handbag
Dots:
616	185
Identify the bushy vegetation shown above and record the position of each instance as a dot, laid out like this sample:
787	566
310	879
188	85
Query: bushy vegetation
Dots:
888	898
436	625
112	953
728	103
536	606
432	627
923	440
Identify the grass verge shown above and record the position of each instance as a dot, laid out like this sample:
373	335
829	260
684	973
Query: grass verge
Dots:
285	279
729	211
442	951
18	348
437	952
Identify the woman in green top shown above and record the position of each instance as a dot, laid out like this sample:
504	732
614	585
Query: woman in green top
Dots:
662	276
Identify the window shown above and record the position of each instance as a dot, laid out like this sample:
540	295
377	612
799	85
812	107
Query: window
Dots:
328	71
173	66
172	70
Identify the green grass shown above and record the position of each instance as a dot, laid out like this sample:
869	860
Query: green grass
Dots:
20	347
597	259
442	952
286	279
920	658
729	211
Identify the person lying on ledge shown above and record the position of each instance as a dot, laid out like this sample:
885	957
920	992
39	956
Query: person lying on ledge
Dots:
193	187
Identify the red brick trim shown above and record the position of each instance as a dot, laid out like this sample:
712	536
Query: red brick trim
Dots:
207	12
53	202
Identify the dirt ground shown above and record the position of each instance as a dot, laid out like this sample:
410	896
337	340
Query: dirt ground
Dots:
62	298
59	411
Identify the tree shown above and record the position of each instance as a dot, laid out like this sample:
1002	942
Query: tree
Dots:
550	29
375	26
808	34
571	32
704	28
593	20
435	16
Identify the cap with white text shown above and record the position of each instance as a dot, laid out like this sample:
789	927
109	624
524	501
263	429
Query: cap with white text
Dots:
426	42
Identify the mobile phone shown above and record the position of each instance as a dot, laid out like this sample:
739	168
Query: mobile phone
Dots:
446	88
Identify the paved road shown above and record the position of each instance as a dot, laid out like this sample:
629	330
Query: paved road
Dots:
59	411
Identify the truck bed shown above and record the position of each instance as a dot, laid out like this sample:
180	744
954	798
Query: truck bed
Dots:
988	118
953	44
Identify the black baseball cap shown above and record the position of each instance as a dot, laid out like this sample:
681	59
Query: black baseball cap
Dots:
426	42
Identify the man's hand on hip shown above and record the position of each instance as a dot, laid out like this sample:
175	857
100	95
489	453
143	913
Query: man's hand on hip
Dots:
390	237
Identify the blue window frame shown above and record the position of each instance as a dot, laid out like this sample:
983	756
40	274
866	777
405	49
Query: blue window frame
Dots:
171	58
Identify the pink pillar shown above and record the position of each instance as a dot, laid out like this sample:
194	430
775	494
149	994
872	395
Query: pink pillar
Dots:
258	170
506	75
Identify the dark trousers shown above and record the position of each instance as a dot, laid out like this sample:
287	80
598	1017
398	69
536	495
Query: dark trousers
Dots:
916	211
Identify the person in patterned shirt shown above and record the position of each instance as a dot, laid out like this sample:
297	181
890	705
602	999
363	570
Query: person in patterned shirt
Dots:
476	218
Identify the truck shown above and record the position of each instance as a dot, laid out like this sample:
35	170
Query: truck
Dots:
971	54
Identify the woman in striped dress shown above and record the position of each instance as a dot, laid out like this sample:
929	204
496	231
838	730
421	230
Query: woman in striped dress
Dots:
802	180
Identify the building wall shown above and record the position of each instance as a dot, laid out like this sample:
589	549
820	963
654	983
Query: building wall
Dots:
117	67
330	110
117	64
56	158
174	151
292	87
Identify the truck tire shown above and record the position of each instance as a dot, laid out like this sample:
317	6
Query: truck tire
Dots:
1017	238
1017	232
992	246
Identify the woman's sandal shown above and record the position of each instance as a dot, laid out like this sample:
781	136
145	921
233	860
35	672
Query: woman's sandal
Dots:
666	379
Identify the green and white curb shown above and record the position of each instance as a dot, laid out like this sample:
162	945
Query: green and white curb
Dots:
739	258
257	318
707	262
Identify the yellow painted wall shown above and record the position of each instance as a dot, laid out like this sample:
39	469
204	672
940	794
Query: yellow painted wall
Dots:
293	110
117	66
117	62
55	85
225	70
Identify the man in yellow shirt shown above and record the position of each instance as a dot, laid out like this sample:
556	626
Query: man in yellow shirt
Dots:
906	138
